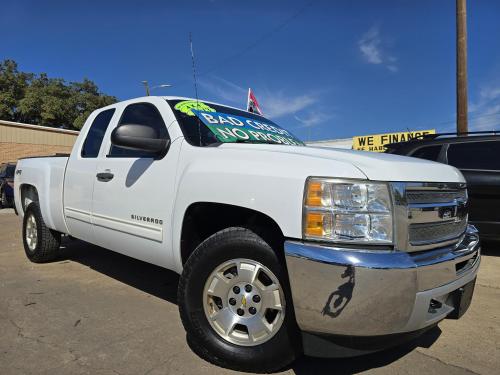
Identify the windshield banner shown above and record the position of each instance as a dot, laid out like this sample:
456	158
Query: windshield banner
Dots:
231	128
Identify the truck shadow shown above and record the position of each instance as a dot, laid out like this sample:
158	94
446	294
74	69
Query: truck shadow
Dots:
354	365
162	283
147	277
491	248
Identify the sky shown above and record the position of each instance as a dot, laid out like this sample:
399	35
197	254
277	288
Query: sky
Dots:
322	69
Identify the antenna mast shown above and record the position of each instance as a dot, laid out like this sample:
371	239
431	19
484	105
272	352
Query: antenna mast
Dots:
194	68
195	82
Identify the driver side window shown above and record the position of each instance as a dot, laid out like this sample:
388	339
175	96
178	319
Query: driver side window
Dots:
141	114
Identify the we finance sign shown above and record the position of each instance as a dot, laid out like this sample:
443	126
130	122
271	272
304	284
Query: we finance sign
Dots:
378	141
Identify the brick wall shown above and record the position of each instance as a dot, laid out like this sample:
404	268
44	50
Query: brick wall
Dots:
19	140
14	151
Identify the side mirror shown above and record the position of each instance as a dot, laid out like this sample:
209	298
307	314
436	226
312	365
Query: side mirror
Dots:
139	137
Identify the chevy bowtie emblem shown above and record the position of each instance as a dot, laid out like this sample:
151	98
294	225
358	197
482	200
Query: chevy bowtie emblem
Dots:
244	301
447	214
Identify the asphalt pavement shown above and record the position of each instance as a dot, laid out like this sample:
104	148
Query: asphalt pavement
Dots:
97	312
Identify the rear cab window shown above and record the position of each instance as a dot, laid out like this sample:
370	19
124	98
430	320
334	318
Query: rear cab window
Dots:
207	124
95	135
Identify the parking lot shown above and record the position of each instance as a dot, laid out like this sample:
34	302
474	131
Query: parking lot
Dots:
97	312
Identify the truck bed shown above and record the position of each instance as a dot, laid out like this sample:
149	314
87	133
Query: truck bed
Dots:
47	174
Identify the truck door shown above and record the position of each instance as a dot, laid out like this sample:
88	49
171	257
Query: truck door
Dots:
80	176
134	191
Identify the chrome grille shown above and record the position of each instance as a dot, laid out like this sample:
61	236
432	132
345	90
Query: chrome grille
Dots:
435	196
422	234
429	215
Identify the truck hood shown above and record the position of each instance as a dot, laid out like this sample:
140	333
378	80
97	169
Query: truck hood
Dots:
375	166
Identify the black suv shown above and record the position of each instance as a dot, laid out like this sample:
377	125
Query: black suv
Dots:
477	156
7	184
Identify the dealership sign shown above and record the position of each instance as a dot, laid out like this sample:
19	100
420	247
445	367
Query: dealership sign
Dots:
378	141
231	128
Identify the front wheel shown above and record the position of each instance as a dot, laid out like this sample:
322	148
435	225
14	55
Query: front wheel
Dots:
235	304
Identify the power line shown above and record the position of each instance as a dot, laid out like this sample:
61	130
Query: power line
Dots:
262	38
255	43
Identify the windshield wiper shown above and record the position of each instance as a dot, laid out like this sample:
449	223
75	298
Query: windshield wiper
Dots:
239	140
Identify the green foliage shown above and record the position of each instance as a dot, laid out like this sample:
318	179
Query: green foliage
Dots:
38	99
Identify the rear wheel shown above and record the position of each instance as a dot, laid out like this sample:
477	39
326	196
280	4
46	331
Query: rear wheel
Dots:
235	304
41	243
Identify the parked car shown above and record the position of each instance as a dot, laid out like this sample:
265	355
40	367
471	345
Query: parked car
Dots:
282	248
7	184
477	156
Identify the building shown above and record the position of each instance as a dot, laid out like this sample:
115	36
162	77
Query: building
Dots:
19	140
334	143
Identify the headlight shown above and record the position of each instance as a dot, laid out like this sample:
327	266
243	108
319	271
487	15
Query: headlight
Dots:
347	211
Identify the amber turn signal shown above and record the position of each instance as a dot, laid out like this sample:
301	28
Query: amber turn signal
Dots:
315	223
314	194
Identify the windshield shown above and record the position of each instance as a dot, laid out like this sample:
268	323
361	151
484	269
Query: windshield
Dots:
10	171
210	124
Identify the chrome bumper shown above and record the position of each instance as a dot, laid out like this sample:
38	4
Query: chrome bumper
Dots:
343	291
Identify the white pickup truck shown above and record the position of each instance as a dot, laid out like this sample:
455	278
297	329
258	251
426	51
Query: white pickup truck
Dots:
282	248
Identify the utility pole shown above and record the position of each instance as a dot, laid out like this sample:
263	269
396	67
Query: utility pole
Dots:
146	85
462	126
148	89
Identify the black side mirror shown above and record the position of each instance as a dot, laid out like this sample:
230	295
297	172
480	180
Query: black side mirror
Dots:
139	137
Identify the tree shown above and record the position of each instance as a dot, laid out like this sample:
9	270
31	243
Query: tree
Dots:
38	99
87	99
12	87
30	106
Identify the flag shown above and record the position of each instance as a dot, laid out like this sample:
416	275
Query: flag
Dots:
253	104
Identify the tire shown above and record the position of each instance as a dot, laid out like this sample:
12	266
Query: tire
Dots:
239	246
42	243
6	202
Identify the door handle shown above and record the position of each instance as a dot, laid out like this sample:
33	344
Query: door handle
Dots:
105	176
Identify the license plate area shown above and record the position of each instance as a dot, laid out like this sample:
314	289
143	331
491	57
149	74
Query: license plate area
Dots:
461	299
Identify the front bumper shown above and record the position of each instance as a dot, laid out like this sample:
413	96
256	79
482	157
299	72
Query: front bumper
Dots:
354	292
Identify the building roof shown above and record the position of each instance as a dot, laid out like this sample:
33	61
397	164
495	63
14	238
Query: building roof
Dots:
334	143
331	141
37	127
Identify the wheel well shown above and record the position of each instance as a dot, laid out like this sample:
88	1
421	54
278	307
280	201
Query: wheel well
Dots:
28	194
204	219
